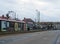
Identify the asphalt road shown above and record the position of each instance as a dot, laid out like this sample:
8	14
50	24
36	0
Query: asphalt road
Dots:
46	37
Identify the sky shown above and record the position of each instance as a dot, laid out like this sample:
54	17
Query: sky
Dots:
49	9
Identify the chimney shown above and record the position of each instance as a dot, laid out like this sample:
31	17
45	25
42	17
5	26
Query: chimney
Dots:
24	19
2	16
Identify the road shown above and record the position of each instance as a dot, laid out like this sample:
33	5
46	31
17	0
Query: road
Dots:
46	37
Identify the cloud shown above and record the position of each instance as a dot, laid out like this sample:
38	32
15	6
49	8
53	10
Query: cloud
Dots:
49	9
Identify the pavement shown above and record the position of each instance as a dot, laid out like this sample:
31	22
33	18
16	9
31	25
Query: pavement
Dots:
45	37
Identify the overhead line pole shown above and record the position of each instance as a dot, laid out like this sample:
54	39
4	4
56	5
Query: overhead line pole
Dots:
38	17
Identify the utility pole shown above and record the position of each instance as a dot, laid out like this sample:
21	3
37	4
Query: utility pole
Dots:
38	17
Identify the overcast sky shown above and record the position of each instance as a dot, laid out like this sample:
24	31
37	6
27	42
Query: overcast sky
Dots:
49	9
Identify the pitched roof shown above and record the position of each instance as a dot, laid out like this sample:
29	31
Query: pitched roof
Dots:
28	20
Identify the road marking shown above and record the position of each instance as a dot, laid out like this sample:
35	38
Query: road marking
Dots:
58	41
54	41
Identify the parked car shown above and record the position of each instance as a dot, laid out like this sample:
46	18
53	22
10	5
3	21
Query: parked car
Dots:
43	27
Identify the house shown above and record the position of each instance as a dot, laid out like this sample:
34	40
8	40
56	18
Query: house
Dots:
11	25
29	23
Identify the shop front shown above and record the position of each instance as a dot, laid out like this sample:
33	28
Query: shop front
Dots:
3	25
11	26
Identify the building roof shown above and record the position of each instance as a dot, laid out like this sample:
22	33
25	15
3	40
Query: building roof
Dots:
28	20
5	19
